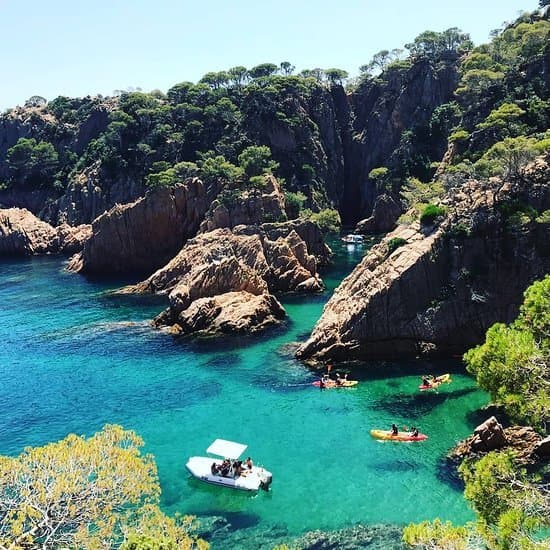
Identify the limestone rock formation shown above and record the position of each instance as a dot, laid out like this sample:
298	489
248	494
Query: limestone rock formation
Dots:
446	285
143	235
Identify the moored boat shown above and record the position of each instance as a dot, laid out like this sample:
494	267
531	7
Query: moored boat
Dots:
211	470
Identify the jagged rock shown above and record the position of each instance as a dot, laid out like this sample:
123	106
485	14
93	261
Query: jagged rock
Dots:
23	234
72	239
251	207
229	313
447	284
523	441
144	235
244	262
488	436
385	212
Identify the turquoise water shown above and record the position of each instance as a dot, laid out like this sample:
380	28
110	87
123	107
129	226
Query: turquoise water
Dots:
73	357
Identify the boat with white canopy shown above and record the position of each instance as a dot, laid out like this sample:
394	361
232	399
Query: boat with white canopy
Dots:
229	471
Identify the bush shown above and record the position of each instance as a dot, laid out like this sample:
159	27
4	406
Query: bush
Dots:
395	243
328	220
430	213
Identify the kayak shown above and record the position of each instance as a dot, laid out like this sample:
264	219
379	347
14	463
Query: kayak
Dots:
401	436
344	384
437	381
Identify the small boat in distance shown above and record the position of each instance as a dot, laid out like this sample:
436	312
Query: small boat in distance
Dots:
237	475
353	239
434	382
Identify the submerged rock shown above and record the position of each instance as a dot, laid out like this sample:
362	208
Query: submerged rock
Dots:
444	286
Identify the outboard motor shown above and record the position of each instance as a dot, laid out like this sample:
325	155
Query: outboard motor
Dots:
265	480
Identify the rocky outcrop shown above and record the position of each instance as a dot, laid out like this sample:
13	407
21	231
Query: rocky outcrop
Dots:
228	313
249	207
23	234
242	262
489	436
445	286
144	235
385	212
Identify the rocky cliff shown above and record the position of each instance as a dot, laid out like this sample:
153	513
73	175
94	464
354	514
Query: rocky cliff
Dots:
23	234
143	235
437	289
224	274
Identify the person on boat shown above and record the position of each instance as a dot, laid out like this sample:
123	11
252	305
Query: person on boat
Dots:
427	380
339	379
214	469
414	431
248	462
394	429
237	468
225	467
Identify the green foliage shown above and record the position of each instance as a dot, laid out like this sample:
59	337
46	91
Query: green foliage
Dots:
434	45
294	202
167	176
436	534
256	160
503	120
32	163
81	493
513	364
430	213
328	220
214	168
394	243
459	135
544	217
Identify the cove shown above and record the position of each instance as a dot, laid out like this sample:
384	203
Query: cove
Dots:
73	358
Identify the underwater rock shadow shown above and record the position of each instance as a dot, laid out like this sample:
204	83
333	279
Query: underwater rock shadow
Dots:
417	405
447	472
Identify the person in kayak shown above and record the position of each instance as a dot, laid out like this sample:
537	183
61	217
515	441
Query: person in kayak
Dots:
427	380
414	431
394	429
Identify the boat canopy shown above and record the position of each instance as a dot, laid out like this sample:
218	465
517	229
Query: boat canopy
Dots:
227	449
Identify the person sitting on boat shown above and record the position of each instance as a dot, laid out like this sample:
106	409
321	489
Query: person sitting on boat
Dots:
394	429
237	468
414	431
248	462
225	467
427	380
214	469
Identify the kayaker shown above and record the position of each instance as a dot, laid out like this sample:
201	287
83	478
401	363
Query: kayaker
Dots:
427	380
414	432
394	429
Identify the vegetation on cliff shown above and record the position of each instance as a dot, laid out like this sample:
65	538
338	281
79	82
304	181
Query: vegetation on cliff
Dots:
512	506
96	492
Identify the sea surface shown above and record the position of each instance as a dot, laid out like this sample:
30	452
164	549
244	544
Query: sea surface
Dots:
74	357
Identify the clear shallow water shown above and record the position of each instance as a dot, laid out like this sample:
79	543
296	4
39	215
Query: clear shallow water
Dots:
73	358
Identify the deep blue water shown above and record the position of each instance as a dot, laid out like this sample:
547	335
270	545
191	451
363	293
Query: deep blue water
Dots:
73	358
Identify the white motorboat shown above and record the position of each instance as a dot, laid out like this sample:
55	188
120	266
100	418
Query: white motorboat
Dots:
251	479
353	239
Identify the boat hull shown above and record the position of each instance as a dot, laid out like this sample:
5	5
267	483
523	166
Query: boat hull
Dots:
443	379
253	480
346	384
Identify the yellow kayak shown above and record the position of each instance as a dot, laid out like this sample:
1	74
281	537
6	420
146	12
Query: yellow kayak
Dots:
401	436
435	382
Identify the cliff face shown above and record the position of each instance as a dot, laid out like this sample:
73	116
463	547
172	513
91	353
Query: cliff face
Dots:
144	235
440	291
325	140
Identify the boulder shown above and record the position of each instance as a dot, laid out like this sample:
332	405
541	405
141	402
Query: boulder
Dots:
229	313
488	436
23	234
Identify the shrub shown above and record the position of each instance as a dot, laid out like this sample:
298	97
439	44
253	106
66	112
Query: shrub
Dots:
395	243
430	213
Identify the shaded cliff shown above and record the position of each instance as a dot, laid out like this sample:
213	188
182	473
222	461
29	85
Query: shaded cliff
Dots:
443	286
